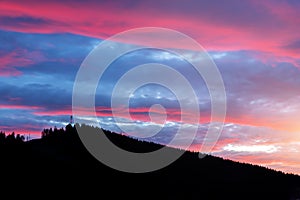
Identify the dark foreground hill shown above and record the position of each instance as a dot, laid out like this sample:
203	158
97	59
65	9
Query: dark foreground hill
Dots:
58	166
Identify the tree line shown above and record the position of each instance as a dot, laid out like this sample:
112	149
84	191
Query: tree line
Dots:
11	138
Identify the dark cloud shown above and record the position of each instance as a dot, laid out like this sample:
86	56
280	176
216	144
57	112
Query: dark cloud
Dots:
293	45
23	21
50	54
35	94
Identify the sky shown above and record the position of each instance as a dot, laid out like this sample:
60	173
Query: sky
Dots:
254	44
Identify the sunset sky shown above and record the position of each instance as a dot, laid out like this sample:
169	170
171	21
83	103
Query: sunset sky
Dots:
255	45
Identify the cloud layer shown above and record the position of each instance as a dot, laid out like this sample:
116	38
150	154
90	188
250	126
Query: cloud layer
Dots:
254	44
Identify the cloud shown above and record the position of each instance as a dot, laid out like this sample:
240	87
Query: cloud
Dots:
11	61
254	89
295	45
54	54
259	145
259	25
260	94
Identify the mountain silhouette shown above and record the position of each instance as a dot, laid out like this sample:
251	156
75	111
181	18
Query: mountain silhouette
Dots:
58	165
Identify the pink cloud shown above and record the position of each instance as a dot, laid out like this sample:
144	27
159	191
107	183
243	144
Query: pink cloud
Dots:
277	121
138	113
252	25
11	61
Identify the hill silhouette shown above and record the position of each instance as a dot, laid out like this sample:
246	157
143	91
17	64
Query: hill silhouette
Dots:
59	165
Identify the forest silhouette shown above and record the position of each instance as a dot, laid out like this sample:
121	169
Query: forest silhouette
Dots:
58	162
